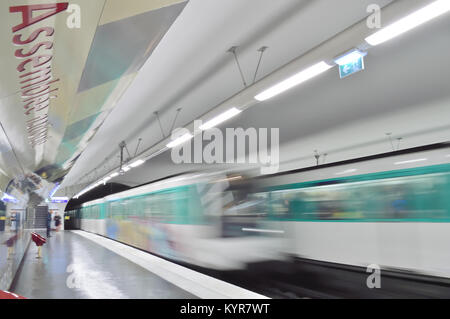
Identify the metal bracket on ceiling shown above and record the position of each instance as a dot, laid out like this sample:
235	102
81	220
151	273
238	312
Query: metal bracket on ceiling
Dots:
261	51
137	146
175	119
173	123
160	125
317	157
122	145
233	51
390	140
399	139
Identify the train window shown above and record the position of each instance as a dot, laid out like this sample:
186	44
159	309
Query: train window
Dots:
398	198
244	214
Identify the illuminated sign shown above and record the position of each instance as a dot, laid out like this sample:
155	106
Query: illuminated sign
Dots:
59	199
350	63
8	198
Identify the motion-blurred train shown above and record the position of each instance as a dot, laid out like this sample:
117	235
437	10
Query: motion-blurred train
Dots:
392	210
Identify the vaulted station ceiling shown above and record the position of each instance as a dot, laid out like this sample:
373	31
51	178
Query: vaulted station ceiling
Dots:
192	70
403	91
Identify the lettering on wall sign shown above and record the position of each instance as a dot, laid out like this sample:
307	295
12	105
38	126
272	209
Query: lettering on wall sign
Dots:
37	84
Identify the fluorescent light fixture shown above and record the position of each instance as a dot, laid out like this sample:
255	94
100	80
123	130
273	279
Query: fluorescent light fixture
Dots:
220	118
183	138
9	198
54	190
409	22
114	175
294	80
126	168
349	57
137	163
60	198
156	153
89	188
411	161
348	171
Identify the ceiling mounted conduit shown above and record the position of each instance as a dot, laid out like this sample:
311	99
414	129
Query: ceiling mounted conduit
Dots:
316	61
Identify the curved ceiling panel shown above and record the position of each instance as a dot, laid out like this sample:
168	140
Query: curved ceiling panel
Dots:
64	66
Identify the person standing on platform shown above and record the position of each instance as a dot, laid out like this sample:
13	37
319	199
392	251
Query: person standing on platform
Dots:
57	219
17	218
13	221
49	223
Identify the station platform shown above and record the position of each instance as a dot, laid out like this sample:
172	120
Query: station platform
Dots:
82	265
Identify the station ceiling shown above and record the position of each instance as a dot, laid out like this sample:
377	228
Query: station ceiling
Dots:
146	58
402	91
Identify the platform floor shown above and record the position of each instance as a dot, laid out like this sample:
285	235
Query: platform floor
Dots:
74	267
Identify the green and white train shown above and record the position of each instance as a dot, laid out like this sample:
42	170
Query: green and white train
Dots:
184	219
393	211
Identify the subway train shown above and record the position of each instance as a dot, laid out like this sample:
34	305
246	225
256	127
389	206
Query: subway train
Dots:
391	210
207	220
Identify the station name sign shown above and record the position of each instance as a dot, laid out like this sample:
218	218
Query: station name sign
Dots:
34	70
